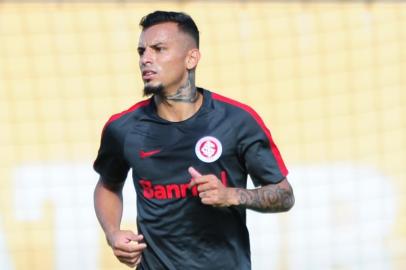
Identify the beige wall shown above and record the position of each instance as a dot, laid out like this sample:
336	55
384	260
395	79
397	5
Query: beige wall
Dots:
328	79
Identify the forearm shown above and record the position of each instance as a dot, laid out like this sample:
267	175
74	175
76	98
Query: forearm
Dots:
269	199
108	204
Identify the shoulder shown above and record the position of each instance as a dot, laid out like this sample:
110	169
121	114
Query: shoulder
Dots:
244	117
124	118
239	108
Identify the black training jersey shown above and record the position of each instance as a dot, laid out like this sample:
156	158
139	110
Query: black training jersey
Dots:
224	138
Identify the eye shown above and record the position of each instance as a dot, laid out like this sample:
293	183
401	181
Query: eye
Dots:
141	51
160	49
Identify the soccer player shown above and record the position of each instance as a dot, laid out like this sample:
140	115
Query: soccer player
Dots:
190	151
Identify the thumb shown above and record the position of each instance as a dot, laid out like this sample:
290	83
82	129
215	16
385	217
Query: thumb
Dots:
194	173
131	236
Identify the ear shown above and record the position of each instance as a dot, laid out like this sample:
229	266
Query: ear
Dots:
192	58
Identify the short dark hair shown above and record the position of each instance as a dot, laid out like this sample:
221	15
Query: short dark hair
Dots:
184	21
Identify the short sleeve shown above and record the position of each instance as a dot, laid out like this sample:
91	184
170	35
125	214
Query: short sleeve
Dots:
110	162
260	154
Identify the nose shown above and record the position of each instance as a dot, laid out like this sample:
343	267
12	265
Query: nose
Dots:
146	57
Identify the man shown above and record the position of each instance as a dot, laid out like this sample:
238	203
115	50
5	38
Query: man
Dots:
190	151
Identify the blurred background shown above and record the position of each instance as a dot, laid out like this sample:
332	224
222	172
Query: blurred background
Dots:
328	78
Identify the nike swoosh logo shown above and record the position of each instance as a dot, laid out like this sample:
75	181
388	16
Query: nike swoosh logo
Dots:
144	154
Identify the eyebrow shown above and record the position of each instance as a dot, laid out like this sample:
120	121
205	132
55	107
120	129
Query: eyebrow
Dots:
153	45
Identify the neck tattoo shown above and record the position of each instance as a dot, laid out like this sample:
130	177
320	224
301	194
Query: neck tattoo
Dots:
186	93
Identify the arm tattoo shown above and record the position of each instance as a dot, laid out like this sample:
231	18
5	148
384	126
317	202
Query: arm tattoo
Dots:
187	92
270	198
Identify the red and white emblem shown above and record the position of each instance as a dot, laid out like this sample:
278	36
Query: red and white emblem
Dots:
208	149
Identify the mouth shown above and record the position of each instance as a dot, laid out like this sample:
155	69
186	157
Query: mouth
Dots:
148	75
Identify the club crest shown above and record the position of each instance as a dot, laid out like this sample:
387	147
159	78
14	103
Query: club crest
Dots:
208	149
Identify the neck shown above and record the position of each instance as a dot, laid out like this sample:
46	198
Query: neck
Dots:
182	104
186	93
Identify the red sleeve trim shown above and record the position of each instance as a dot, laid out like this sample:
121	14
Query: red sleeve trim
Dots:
131	109
261	123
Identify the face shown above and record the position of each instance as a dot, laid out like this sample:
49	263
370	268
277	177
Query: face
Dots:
165	57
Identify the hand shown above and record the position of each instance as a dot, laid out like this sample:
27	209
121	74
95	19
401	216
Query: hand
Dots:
211	190
127	247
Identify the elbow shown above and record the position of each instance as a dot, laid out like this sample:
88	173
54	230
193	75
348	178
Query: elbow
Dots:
289	202
284	204
288	199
